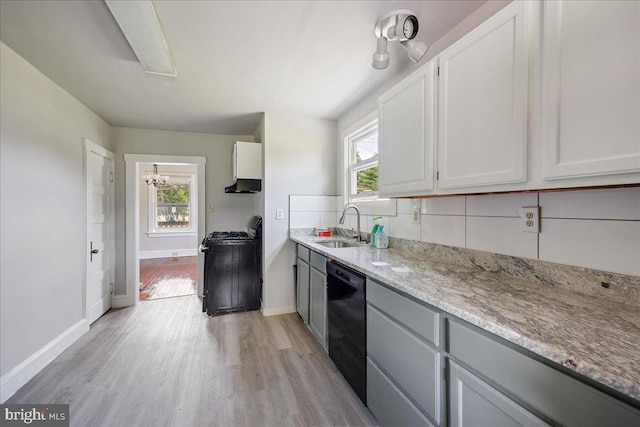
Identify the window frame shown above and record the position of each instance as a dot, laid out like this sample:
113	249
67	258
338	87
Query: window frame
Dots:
357	166
153	229
378	206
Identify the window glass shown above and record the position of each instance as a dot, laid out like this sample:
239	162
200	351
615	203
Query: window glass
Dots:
367	182
367	147
172	207
363	163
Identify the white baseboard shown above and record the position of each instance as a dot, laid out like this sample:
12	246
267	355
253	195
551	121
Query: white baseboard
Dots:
29	368
119	301
277	310
169	253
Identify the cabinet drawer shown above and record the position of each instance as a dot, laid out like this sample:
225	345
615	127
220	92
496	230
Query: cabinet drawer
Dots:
474	402
319	262
424	321
388	404
303	253
555	394
416	369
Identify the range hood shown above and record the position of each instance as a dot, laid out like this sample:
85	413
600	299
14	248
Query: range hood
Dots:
245	186
247	168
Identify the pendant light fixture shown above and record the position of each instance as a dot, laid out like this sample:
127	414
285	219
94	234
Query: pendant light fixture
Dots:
154	178
398	25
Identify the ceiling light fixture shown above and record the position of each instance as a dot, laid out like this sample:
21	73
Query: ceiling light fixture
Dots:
139	23
381	56
398	25
154	178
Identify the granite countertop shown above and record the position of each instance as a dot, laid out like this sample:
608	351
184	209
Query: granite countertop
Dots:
594	337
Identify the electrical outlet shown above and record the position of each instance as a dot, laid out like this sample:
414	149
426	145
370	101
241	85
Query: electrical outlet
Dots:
416	216
530	219
279	213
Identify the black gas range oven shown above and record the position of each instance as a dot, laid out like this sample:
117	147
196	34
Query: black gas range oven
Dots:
233	270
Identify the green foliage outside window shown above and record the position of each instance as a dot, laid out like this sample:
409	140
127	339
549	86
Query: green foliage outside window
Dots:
172	206
367	180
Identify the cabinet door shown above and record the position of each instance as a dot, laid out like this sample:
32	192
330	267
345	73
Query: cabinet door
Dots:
482	103
591	88
303	290
318	306
406	129
475	403
247	160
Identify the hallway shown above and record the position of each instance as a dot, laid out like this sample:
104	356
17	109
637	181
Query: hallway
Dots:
165	363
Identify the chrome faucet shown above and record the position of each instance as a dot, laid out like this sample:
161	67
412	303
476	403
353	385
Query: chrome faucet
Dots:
341	220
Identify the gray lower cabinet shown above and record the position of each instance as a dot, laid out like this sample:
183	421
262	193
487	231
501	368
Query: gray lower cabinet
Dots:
318	298
475	403
302	279
405	359
517	377
302	298
388	403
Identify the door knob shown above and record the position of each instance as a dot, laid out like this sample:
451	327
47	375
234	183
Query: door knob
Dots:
92	252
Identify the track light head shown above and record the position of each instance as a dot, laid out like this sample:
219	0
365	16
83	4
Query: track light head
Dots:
415	48
381	56
398	25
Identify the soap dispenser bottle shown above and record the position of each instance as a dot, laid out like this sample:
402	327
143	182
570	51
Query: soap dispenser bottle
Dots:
382	239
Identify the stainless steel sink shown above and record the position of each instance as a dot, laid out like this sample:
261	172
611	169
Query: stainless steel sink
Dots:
339	244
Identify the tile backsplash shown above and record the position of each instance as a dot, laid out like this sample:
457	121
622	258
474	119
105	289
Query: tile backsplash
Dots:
596	229
313	211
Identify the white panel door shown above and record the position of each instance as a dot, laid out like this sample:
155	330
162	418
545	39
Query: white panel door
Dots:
482	103
100	230
591	88
406	132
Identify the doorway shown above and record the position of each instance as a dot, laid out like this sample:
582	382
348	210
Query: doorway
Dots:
173	216
168	218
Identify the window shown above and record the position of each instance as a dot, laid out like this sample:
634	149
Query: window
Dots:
363	163
171	206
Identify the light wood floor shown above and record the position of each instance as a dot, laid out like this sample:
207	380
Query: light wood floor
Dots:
165	363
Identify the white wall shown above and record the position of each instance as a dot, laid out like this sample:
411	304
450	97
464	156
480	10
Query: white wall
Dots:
299	156
231	211
42	212
164	245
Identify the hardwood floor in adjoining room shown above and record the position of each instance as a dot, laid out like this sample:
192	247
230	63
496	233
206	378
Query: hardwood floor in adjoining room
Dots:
167	363
168	277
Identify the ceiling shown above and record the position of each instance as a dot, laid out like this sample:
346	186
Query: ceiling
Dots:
235	59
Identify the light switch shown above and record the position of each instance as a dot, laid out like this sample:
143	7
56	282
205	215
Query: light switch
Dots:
279	213
210	207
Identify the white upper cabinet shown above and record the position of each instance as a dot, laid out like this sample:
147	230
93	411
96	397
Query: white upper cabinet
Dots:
406	133
482	103
591	89
247	160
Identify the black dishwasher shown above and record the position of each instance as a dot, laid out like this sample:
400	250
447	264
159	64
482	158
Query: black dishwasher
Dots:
346	312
